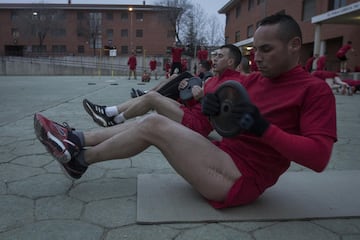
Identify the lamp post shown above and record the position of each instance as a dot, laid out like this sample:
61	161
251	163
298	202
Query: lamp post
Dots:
131	27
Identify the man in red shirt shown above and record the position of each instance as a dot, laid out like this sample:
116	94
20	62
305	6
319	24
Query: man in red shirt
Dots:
341	55
132	65
335	82
202	54
321	63
293	120
153	100
153	65
176	52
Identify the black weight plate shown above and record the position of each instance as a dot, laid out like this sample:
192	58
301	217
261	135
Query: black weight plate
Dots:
229	93
186	94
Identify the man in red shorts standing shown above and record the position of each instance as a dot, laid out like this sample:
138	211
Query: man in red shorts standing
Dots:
341	55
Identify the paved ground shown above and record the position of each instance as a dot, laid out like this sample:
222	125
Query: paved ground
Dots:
38	202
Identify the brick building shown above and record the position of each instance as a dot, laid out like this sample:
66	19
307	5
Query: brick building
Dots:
326	25
85	29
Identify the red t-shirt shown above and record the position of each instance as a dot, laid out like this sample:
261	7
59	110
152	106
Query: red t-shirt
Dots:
132	62
301	110
343	50
152	65
320	64
309	63
176	54
202	55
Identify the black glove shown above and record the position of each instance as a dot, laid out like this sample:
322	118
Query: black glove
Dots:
249	118
210	105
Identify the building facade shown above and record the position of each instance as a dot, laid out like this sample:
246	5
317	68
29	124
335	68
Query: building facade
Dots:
243	17
85	29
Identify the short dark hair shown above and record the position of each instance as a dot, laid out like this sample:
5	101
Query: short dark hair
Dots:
206	64
235	53
289	28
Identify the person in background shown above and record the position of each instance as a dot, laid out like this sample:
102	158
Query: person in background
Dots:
145	77
153	65
341	54
202	54
321	63
132	65
335	82
176	53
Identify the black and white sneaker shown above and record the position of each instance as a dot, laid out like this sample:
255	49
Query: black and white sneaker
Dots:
98	114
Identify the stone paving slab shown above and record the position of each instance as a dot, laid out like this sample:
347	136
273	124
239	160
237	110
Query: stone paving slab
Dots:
38	202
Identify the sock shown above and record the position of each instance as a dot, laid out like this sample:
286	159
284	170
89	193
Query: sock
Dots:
111	111
120	118
81	159
80	135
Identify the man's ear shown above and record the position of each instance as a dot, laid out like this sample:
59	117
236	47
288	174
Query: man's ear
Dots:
231	62
295	44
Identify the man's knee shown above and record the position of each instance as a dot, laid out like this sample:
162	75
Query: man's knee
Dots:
153	98
153	124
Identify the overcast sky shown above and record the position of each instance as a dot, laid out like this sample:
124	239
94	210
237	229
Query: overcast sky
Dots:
210	6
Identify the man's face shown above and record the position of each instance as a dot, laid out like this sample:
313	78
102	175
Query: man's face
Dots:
272	55
222	61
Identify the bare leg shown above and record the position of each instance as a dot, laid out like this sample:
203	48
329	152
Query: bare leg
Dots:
153	101
207	168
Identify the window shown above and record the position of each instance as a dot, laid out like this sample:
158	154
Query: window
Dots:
14	15
250	4
139	16
81	49
250	31
124	16
238	10
124	32
58	32
80	16
260	1
334	4
139	49
58	49
109	16
309	9
110	33
15	33
38	48
124	49
237	36
226	39
139	33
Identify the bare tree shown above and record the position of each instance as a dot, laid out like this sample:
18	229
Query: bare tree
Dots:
177	12
215	32
90	27
192	26
39	22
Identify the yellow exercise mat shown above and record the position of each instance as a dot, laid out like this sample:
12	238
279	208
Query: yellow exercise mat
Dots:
167	198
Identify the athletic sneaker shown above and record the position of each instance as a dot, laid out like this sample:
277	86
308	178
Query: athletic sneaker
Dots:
140	92
133	93
61	143
98	114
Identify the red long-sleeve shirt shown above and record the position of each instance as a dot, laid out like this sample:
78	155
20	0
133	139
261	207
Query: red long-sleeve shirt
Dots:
301	111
